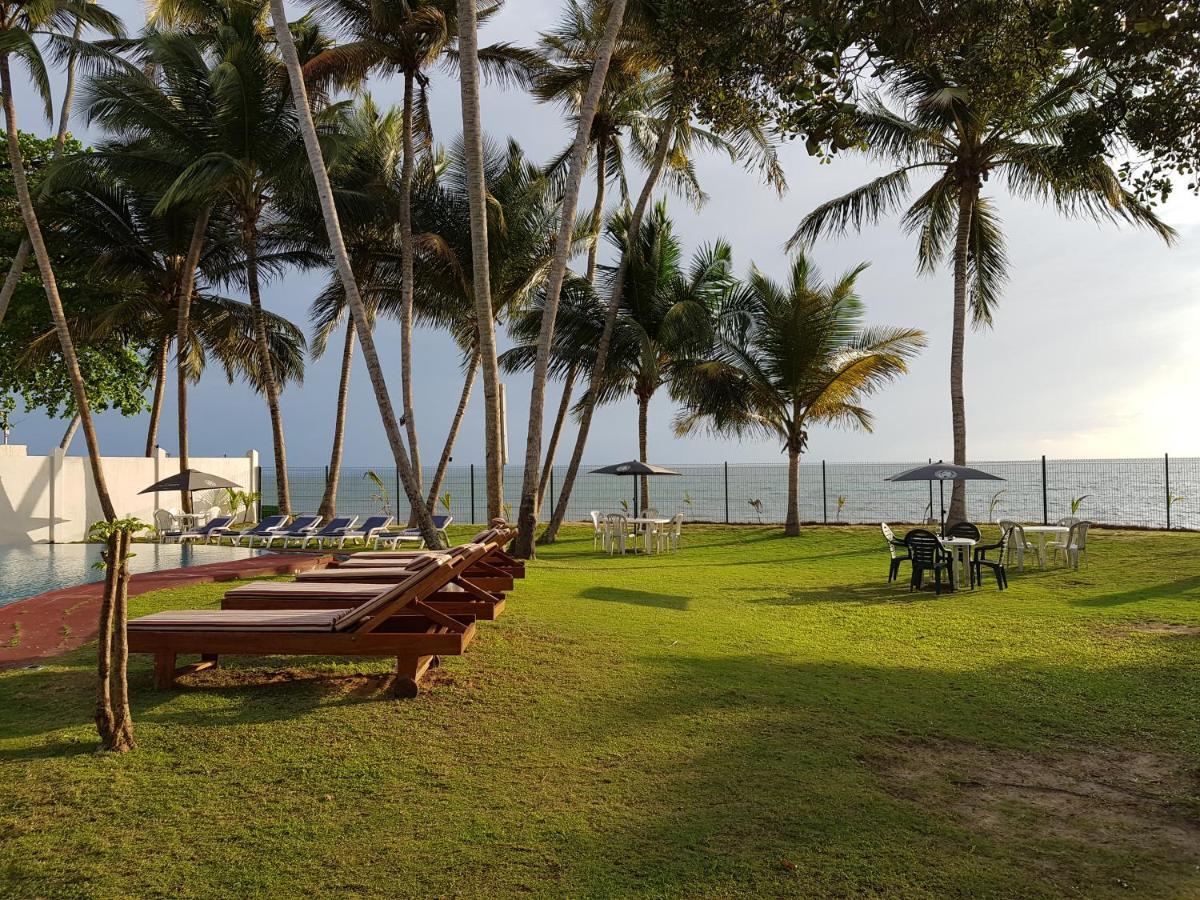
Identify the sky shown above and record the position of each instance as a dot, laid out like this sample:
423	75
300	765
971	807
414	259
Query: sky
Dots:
1092	353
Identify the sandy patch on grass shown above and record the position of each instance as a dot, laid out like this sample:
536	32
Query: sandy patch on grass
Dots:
1164	628
1119	800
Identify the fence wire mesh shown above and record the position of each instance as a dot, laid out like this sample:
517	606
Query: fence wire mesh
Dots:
1153	492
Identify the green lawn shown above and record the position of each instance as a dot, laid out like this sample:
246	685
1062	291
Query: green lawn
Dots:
753	716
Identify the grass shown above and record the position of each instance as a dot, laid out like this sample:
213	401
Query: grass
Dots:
753	716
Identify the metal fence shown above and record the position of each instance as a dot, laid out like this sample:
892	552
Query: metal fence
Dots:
1156	492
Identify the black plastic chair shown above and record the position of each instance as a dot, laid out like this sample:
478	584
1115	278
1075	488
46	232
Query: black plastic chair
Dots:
996	565
963	530
927	556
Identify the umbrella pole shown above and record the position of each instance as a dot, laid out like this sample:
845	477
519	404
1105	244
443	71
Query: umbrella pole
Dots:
635	496
942	502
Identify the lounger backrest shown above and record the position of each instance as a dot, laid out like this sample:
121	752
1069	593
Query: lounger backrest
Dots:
270	523
214	524
338	523
375	522
486	535
423	582
303	523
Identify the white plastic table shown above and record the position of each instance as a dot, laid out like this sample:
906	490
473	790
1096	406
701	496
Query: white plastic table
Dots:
960	549
1042	531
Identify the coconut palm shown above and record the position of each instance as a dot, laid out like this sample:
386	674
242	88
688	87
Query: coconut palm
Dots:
666	315
787	357
406	38
960	136
669	148
20	26
341	257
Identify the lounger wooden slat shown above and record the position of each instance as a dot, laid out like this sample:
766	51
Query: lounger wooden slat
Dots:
397	622
495	538
452	599
495	583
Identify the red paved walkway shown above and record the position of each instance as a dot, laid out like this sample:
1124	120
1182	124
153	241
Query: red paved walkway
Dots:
58	621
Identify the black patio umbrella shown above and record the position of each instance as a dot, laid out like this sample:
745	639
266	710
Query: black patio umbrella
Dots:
633	467
942	472
190	481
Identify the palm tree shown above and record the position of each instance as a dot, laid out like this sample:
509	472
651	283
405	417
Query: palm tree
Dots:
20	23
337	246
406	38
674	142
961	136
586	109
787	357
472	137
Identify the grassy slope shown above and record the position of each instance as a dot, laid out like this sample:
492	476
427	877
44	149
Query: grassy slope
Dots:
704	723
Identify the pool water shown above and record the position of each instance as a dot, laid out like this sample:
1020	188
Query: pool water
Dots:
33	569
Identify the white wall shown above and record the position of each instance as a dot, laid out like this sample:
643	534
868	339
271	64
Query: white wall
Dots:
51	499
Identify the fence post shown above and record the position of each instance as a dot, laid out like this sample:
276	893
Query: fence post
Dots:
472	493
824	495
551	492
726	493
930	491
1045	495
1167	478
398	495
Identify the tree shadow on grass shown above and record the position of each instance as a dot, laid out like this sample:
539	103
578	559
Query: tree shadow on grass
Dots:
1183	588
654	600
865	594
763	778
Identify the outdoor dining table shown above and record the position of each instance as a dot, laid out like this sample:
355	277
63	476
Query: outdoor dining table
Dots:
960	556
1042	531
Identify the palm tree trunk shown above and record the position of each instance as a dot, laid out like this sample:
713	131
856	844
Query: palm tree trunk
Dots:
328	508
530	504
160	389
610	322
266	370
958	412
69	435
333	229
50	286
406	281
468	47
598	207
564	406
103	716
13	278
791	527
120	736
183	339
439	475
643	444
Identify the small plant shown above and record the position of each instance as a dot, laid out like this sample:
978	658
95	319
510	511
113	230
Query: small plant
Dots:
1171	501
625	505
381	496
240	503
687	502
994	502
8	404
757	506
445	500
841	504
508	509
1077	502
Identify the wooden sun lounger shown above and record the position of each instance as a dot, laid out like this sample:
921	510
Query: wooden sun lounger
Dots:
498	538
377	571
397	622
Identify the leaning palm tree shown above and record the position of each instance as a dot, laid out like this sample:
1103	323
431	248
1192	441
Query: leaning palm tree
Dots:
787	357
20	24
341	258
946	129
407	38
668	149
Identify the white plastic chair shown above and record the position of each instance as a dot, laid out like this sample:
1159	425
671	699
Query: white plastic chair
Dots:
1018	544
599	531
163	522
1073	546
619	533
669	536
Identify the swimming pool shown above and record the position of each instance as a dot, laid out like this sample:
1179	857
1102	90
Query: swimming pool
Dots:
33	569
